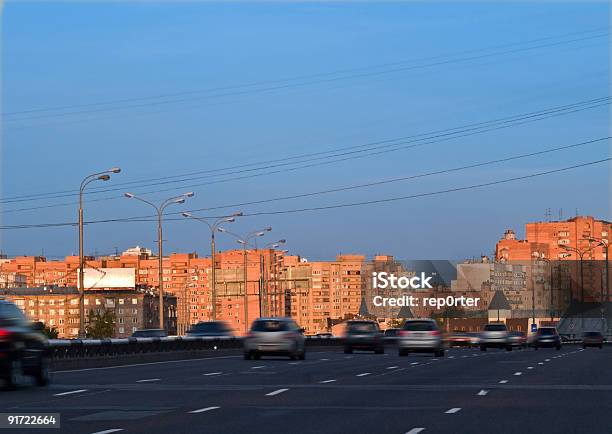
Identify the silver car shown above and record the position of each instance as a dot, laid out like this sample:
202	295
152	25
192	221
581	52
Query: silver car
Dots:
495	335
420	335
274	336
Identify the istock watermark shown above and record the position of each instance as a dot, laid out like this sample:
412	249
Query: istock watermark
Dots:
386	280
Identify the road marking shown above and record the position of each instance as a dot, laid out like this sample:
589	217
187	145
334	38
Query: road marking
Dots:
414	363
518	373
529	367
503	381
108	431
71	392
213	373
348	357
324	360
453	410
450	357
257	367
547	360
363	374
202	410
327	381
415	430
483	393
148	380
392	367
276	392
540	363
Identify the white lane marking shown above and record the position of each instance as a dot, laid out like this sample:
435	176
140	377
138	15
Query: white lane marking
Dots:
363	374
391	367
327	381
529	367
294	363
483	393
414	363
415	430
540	363
202	410
547	360
276	392
213	373
71	392
453	410
324	360
257	367
518	373
132	365
348	357
450	357
108	431
148	380
503	381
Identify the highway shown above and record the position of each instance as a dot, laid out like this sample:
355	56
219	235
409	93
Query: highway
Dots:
468	391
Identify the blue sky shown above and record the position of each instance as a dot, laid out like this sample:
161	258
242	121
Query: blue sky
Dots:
73	54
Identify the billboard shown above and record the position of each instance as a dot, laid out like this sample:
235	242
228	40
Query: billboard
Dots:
110	278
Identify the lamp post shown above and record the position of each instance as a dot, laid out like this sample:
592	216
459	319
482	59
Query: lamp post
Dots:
264	282
601	242
580	254
100	176
244	241
160	241
213	228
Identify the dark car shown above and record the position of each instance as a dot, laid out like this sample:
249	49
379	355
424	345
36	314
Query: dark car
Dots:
23	347
518	339
363	335
547	337
592	339
211	329
150	333
391	333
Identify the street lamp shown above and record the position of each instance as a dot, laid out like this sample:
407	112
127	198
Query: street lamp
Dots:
213	228
100	176
580	254
160	240
601	242
264	275
244	241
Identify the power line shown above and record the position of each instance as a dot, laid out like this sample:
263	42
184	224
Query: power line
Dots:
327	207
311	79
389	144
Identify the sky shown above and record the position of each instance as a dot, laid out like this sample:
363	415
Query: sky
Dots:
231	90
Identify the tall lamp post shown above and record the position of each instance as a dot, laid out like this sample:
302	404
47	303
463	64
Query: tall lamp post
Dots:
580	254
264	283
244	241
213	228
100	176
160	241
601	242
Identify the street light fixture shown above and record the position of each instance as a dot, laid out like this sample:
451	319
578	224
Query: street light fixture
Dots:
580	254
244	242
160	241
99	176
214	227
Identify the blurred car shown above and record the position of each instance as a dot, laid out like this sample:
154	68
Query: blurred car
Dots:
460	339
420	335
150	333
363	335
592	339
495	335
215	329
324	335
518	339
23	347
547	337
274	336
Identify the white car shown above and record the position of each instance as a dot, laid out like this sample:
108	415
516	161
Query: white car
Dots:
275	336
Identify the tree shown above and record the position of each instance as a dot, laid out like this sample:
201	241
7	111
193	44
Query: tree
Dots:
50	332
101	326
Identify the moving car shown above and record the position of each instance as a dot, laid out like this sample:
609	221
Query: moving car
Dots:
495	335
215	329
518	339
23	347
460	339
547	337
592	339
363	335
274	336
150	333
421	335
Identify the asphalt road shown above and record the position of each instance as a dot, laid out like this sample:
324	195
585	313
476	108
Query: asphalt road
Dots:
468	391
